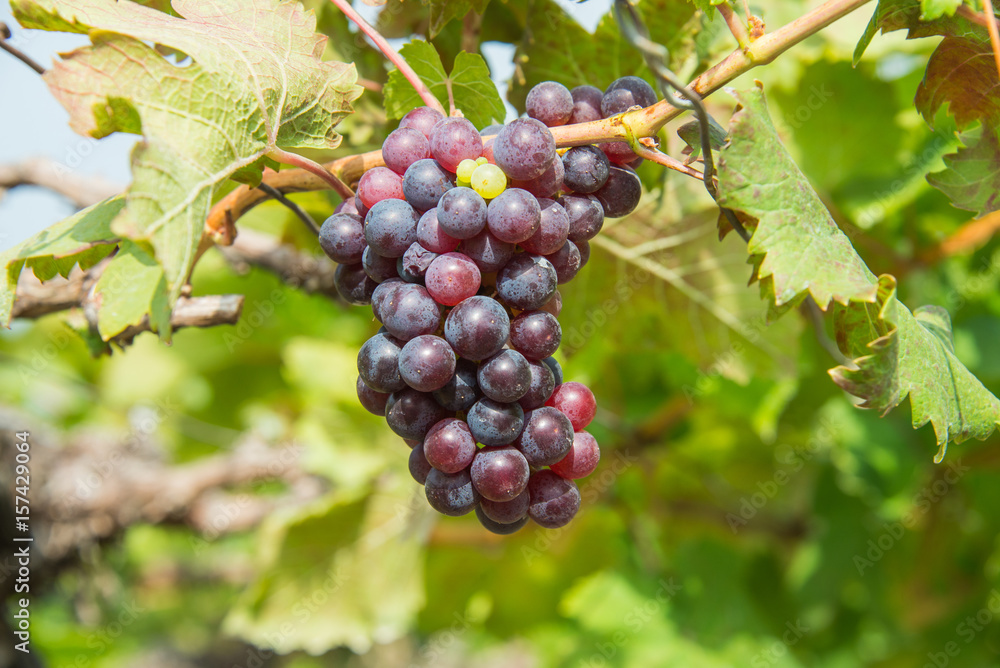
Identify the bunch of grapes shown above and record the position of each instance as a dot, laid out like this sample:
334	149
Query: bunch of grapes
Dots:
459	245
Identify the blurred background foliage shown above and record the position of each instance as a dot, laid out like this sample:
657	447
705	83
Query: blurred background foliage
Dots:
744	513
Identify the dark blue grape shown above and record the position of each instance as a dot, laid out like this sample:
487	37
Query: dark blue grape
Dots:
450	494
621	193
566	261
489	253
625	93
556	369
494	423
546	438
426	363
554	500
390	227
419	466
378	363
540	388
535	334
504	377
372	400
414	263
410	312
527	282
411	414
342	238
461	213
477	328
506	512
586	216
586	169
462	389
353	284
378	268
424	182
524	149
499	474
496	527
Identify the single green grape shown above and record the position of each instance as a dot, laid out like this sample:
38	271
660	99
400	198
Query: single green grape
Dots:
481	160
489	181
465	169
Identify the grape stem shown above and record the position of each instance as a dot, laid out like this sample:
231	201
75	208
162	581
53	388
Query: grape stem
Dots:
639	123
296	160
291	206
17	53
736	25
391	55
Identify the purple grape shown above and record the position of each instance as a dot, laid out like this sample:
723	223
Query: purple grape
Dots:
419	466
586	215
422	119
403	147
342	238
449	446
413	265
586	104
378	363
477	328
487	252
461	213
462	389
432	237
535	334
549	102
411	414
575	401
586	169
454	140
494	423
426	363
349	205
549	184
390	227
378	267
621	194
556	369
410	312
524	149
552	231
554	305
540	388
514	215
546	438
378	184
582	458
499	474
619	152
504	377
526	282
373	401
496	527
452	278
450	494
566	261
625	93
584	249
554	500
353	284
506	512
385	291
424	182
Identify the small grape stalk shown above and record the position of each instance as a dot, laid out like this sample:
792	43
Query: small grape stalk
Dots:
459	246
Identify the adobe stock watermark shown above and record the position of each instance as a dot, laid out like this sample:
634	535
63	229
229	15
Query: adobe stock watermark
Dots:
597	317
967	630
923	501
792	461
794	632
635	620
590	492
253	318
732	357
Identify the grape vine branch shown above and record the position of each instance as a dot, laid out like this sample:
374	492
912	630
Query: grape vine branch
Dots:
639	123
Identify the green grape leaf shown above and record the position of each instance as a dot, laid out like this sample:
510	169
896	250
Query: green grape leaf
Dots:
83	238
798	249
891	15
796	242
557	48
322	573
972	178
912	354
707	6
961	74
254	82
443	11
474	93
132	287
935	9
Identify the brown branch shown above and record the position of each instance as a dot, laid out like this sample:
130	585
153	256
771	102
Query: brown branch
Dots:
82	191
33	299
735	23
17	53
305	271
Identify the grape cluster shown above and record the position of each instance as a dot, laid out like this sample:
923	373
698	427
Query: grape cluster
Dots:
459	245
